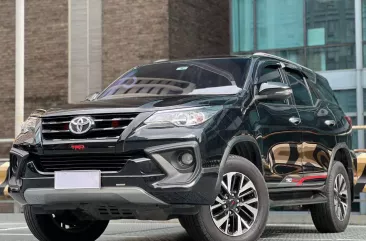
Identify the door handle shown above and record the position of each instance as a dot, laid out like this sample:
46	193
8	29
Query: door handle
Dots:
330	123
295	120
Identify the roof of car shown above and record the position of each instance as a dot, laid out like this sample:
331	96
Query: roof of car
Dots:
258	54
204	57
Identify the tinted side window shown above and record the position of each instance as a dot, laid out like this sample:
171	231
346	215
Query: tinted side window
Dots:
299	88
310	80
271	74
325	92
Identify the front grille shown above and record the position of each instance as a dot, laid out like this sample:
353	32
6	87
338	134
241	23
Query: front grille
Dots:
102	162
211	163
106	126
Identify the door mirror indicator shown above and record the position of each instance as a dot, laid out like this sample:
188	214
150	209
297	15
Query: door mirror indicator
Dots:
274	91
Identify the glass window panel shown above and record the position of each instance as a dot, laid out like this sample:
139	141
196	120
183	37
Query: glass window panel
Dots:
311	80
271	74
346	99
364	100
364	20
242	25
299	89
323	89
279	24
331	58
330	22
354	134
296	55
364	55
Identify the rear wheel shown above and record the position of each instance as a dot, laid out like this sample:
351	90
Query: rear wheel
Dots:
60	227
333	216
240	210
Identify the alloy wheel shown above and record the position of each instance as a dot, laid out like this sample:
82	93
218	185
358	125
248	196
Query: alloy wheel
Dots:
236	207
340	197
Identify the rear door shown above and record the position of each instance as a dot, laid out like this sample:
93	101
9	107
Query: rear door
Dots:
317	125
279	136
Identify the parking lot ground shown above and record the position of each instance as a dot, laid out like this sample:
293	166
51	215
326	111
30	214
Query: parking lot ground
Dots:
15	229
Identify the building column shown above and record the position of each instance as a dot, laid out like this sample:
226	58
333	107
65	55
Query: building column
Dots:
85	48
359	67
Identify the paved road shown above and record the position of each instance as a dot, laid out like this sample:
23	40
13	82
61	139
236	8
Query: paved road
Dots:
16	230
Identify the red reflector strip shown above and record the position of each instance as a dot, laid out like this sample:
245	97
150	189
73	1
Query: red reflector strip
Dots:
302	180
78	147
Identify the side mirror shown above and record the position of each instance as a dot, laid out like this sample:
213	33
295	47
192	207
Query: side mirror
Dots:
92	97
274	91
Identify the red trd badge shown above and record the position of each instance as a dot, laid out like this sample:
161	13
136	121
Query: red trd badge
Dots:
78	147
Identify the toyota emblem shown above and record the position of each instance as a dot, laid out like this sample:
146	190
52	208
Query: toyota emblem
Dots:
81	125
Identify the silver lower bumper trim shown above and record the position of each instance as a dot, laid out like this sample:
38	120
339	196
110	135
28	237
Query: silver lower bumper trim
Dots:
131	195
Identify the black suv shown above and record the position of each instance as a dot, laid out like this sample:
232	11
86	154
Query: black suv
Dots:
214	142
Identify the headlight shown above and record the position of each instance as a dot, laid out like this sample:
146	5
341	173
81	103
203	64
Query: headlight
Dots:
184	117
29	124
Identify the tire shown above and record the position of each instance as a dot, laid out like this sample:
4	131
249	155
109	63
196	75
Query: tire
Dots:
324	215
202	226
183	223
45	227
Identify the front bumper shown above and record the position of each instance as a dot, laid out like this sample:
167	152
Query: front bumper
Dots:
121	195
131	187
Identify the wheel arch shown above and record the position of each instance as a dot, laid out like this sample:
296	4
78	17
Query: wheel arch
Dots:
341	153
245	146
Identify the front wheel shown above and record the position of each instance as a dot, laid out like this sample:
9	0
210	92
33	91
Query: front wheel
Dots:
333	216
61	227
240	210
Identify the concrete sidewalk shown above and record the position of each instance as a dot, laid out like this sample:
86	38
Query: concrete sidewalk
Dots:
274	218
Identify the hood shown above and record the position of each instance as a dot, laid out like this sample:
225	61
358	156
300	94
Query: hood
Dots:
140	104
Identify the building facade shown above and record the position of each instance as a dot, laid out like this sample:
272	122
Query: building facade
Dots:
325	35
76	47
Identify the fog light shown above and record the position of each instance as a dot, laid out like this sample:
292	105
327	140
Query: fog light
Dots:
187	159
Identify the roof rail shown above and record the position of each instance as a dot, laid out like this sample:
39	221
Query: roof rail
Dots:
161	60
279	58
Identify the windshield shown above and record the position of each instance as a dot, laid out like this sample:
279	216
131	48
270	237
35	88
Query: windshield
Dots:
188	77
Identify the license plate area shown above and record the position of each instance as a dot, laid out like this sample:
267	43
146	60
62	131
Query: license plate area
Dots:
77	180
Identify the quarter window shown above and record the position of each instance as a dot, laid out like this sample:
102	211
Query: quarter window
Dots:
323	89
299	88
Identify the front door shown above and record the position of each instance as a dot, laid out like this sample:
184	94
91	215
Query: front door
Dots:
277	132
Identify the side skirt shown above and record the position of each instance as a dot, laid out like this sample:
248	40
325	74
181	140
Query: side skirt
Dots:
296	196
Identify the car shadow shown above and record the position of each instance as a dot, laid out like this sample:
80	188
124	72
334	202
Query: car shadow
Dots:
272	232
181	235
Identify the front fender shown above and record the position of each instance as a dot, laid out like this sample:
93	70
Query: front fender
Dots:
235	140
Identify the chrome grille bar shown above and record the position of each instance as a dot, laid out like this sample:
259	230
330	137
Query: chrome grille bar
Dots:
55	122
95	129
57	128
55	131
114	119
